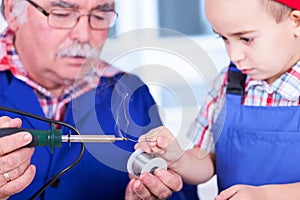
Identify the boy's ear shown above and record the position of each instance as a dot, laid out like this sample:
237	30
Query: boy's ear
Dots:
295	16
11	20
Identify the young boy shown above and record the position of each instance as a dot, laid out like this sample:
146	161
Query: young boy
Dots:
250	124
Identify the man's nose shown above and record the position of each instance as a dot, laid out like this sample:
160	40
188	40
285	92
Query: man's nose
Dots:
82	30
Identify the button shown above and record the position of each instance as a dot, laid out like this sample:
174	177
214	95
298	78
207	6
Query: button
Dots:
270	90
56	183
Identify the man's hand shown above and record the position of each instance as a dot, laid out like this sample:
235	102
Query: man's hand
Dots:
147	186
16	173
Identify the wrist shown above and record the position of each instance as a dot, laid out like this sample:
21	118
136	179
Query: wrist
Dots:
177	160
281	191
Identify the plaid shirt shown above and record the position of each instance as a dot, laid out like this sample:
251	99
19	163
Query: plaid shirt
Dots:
52	106
285	91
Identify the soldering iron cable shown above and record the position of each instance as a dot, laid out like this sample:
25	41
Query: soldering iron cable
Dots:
75	162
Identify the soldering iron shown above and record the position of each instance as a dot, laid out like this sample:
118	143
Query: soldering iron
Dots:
54	138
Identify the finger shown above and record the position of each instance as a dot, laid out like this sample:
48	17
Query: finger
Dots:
154	132
152	135
16	122
140	190
149	142
7	122
137	146
15	159
13	142
133	188
4	120
165	138
155	186
170	179
143	143
228	193
162	141
18	184
15	173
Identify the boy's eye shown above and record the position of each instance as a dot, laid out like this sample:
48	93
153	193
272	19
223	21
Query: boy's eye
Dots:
222	37
246	39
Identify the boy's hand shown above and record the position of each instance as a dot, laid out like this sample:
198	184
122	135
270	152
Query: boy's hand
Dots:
161	142
245	192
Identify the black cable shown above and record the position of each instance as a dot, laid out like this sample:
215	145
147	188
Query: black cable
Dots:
75	162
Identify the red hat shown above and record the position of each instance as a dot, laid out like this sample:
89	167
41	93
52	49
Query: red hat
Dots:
291	3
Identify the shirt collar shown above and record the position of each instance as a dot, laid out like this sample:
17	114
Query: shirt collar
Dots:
9	59
287	85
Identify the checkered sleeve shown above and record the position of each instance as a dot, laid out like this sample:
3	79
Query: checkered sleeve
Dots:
200	131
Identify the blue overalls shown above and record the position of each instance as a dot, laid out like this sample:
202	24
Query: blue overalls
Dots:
258	145
102	177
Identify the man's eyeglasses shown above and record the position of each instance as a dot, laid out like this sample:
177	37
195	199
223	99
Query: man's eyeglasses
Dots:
100	18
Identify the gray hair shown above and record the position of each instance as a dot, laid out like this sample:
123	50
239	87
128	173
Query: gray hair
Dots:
19	10
2	8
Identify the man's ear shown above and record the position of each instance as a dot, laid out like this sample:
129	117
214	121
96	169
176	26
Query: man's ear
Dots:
295	17
11	20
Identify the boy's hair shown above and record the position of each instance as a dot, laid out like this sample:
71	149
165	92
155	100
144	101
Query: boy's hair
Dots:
278	10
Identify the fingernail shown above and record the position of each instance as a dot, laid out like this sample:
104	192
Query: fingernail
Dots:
161	152
158	173
152	144
145	178
27	137
33	169
137	184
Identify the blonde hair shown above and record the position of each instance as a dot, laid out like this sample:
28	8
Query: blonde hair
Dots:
278	10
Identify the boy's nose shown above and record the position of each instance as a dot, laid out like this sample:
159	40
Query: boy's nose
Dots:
236	54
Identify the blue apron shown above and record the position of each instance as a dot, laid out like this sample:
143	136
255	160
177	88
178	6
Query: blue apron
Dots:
255	145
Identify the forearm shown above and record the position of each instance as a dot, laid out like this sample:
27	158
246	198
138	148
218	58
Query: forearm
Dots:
194	166
282	191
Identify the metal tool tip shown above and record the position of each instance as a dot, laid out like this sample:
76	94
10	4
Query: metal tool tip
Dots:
121	139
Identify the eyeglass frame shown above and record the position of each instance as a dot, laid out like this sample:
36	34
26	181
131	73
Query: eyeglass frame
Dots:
47	14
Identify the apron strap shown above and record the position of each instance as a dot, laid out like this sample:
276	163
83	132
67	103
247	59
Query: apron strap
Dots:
236	81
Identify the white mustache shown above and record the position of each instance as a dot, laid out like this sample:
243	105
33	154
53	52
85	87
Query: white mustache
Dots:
78	49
